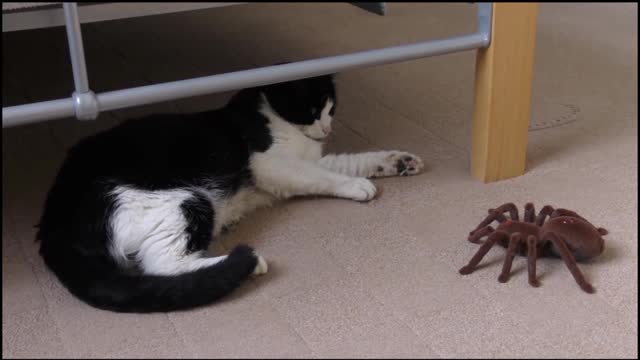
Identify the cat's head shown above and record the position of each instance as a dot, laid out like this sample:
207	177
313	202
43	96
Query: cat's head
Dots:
307	103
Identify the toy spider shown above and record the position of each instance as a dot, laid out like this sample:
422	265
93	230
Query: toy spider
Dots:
565	234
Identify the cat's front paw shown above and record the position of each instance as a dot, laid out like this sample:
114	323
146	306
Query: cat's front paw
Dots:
359	189
398	163
261	266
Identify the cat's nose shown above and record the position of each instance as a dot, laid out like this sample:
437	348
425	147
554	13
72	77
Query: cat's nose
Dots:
326	129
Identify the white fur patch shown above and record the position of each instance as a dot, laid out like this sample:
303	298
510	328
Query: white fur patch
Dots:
322	127
261	267
289	140
148	228
147	222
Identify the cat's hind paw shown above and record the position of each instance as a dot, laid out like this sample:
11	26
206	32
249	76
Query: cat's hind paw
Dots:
261	266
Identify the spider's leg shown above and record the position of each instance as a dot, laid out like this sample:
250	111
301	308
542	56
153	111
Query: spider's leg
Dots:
529	213
511	208
497	214
514	241
493	215
532	256
475	236
482	251
542	215
570	261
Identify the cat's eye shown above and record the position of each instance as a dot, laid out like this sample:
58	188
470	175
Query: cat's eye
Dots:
314	112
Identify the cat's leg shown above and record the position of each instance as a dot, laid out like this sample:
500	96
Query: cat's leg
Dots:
173	231
287	177
173	261
373	164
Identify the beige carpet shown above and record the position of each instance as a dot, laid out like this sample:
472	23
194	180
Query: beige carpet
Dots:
349	279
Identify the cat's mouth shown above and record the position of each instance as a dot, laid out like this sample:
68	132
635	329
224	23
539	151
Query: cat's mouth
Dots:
317	134
317	138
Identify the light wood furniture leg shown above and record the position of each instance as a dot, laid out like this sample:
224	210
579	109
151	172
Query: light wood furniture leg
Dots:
503	94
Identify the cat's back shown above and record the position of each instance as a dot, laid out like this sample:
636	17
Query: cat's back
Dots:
156	152
161	146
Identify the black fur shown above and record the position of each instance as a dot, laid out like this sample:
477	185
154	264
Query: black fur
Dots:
400	166
161	152
300	102
200	218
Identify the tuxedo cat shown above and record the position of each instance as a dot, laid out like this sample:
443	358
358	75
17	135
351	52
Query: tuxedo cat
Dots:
128	220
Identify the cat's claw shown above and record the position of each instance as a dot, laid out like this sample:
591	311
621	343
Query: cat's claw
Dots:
261	266
359	189
399	163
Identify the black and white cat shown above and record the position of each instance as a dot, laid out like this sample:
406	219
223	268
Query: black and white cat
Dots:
128	220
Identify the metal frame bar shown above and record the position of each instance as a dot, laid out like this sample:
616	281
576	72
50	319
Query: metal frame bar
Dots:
44	17
76	49
84	100
86	105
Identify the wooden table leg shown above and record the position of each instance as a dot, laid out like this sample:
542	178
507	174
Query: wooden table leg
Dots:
503	93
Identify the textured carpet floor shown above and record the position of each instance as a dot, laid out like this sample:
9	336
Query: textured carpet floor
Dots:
349	279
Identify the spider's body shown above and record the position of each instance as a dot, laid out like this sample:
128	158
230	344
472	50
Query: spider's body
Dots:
525	229
572	230
565	234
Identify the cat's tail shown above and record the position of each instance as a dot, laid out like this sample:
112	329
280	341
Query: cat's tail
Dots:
103	285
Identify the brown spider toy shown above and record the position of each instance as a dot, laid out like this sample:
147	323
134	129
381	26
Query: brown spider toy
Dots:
565	234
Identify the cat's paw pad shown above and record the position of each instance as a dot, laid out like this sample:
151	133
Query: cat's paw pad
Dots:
261	266
359	189
399	163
